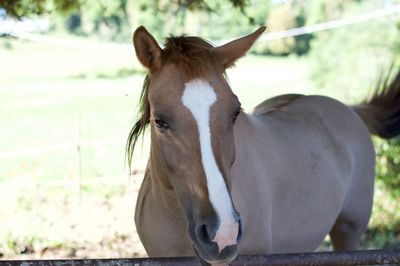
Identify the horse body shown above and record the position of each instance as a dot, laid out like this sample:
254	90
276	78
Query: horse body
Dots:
296	169
313	153
276	180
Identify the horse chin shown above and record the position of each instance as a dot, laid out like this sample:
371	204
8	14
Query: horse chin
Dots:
227	255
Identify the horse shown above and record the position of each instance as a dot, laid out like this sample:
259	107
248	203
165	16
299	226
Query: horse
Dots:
221	182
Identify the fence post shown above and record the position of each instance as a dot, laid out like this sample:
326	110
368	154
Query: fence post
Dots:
79	158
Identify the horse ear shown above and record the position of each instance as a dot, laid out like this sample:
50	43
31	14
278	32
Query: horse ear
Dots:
230	52
147	49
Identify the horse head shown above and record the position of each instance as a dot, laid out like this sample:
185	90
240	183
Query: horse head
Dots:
191	111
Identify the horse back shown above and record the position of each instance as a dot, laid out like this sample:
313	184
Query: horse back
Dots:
318	125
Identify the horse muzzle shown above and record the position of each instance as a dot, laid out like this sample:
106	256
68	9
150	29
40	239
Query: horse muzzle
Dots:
210	247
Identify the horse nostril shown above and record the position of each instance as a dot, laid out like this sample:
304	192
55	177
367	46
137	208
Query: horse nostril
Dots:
203	234
239	236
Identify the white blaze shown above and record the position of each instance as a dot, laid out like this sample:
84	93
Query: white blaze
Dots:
198	96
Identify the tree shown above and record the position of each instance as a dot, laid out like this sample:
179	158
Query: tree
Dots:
283	17
21	8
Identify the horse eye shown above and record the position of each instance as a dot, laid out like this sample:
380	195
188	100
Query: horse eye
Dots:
161	124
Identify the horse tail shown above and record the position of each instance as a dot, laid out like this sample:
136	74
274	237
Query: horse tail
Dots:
381	112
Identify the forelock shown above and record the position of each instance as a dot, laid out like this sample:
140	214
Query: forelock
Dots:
193	55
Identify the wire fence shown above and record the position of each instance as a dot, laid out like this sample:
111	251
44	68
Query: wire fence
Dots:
334	24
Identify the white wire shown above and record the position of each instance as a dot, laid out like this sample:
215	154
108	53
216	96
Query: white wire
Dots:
333	24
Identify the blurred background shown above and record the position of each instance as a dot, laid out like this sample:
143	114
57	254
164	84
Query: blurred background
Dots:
70	83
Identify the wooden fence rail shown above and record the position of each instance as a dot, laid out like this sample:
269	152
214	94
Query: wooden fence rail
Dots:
368	257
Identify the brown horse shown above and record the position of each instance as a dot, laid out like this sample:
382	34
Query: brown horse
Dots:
276	180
